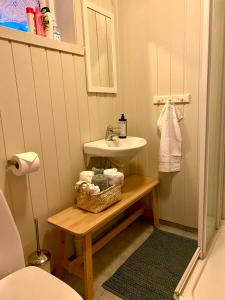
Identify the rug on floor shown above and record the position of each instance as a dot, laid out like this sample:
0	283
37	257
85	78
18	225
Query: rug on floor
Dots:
153	271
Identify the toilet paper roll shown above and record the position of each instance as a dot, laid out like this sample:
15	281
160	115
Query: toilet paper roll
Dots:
24	163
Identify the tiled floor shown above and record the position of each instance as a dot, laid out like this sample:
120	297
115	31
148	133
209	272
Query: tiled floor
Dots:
115	253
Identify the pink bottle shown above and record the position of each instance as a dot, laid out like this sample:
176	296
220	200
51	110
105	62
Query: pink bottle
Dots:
39	21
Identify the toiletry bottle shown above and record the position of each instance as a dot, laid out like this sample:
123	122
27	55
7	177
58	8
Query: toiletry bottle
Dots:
38	17
56	33
30	19
122	127
42	3
47	20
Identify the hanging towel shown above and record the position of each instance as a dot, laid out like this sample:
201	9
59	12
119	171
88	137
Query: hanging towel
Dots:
170	143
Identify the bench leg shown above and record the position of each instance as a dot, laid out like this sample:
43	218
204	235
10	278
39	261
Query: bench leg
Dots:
60	255
155	208
88	268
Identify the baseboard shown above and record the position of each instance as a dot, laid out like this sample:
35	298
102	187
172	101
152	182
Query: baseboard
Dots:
179	226
222	222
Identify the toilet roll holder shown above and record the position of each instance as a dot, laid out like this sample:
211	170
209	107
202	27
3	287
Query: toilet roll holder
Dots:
23	163
11	162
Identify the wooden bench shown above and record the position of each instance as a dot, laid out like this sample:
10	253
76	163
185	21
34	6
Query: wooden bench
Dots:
82	224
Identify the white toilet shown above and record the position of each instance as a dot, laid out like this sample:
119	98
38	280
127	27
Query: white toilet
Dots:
18	282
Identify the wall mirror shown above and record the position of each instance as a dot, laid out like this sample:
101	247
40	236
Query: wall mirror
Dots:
100	48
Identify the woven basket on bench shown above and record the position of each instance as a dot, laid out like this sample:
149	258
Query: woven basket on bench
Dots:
97	202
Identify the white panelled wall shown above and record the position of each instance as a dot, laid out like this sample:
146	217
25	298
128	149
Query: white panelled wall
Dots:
45	108
159	43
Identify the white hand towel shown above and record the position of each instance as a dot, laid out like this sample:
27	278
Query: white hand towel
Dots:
114	177
93	189
170	143
111	171
86	176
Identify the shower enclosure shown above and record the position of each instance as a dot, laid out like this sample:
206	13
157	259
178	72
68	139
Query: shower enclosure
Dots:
212	163
211	135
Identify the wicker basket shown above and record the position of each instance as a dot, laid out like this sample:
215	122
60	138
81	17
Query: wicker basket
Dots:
97	202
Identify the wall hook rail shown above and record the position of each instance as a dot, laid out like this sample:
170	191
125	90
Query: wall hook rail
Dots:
176	99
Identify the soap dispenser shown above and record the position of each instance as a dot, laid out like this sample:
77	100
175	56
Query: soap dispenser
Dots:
122	127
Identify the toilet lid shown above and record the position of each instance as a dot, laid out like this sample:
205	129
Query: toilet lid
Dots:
36	284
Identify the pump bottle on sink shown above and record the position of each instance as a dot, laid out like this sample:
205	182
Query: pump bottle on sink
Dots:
122	127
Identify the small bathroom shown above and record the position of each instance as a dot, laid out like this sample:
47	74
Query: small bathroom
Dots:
112	149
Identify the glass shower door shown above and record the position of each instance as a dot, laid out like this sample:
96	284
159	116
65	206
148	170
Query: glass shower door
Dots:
214	159
211	133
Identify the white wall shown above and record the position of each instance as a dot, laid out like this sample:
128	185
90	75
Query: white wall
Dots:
45	108
159	44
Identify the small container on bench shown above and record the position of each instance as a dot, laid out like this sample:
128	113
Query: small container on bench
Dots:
96	203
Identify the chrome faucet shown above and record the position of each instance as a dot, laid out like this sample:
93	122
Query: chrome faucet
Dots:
110	133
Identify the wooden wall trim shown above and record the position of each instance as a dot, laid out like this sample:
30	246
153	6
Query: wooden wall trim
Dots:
39	41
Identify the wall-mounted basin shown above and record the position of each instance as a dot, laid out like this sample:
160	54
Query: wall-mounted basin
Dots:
120	148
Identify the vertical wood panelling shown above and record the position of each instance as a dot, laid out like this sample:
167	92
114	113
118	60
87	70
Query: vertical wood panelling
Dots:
146	66
105	111
70	90
169	29
164	48
60	125
83	108
117	105
10	109
45	107
95	126
128	83
171	203
191	85
47	132
177	86
177	45
14	143
152	112
31	131
4	186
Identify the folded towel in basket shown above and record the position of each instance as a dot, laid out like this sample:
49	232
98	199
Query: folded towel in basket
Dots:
114	176
86	176
94	189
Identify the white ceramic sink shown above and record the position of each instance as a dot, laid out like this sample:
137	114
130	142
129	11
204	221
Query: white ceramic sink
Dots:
120	148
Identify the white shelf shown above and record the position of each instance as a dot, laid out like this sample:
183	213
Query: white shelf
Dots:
39	41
